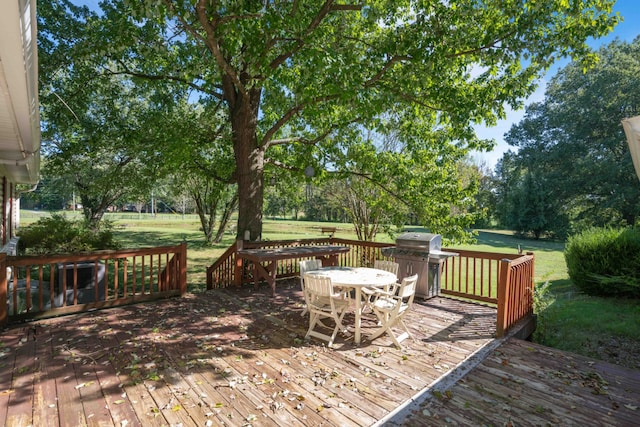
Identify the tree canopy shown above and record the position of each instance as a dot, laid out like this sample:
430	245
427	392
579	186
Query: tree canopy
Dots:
102	133
301	81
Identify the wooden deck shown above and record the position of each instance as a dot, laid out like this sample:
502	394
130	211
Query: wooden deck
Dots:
223	358
521	383
237	357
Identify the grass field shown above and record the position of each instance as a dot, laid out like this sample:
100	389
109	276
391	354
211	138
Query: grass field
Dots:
604	328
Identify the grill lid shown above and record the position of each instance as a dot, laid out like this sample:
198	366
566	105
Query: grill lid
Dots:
419	241
434	255
419	245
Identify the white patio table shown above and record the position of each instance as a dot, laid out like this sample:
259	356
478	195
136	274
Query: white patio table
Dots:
356	278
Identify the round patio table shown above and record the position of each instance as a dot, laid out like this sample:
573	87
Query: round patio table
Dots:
356	278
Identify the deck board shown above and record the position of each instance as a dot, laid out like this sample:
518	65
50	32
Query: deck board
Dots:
526	383
237	357
45	410
20	404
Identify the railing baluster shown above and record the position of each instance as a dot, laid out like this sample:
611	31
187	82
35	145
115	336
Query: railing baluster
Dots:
28	289
125	278
35	290
142	277
151	290
40	288
52	285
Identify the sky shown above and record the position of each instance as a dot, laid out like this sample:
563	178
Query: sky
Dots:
627	30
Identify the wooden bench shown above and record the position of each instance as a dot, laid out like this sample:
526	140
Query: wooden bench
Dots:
330	230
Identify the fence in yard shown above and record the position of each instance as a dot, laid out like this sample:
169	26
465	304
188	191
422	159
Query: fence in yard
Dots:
503	280
43	286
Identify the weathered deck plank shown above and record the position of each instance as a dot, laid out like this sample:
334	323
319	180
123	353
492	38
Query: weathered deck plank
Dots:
10	345
20	405
45	409
524	383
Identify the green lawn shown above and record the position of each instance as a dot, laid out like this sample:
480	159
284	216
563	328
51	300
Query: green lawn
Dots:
567	319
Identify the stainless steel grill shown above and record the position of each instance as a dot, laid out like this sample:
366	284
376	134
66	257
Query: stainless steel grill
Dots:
420	253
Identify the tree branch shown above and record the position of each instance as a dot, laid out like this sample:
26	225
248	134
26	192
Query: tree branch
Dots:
152	77
414	100
284	141
378	76
347	6
486	46
209	27
327	7
377	184
289	114
282	165
187	27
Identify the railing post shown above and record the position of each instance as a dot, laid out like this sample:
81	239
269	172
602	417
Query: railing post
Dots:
183	268
532	284
238	268
209	278
4	316
503	296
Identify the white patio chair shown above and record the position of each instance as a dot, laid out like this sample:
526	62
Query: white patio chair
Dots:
368	293
307	265
390	266
324	302
391	306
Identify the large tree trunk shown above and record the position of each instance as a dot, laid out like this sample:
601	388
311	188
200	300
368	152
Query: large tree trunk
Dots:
249	162
250	192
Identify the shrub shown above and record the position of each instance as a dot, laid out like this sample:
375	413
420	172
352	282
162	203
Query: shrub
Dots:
59	235
605	261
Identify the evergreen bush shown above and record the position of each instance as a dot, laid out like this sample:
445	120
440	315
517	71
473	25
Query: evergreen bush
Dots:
59	235
605	261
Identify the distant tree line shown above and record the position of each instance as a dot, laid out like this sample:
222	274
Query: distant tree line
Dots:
571	167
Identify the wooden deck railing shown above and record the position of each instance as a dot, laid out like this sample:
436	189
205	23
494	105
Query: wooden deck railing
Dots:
504	280
473	274
230	270
515	292
46	286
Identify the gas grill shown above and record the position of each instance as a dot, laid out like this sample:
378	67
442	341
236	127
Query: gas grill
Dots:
422	254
